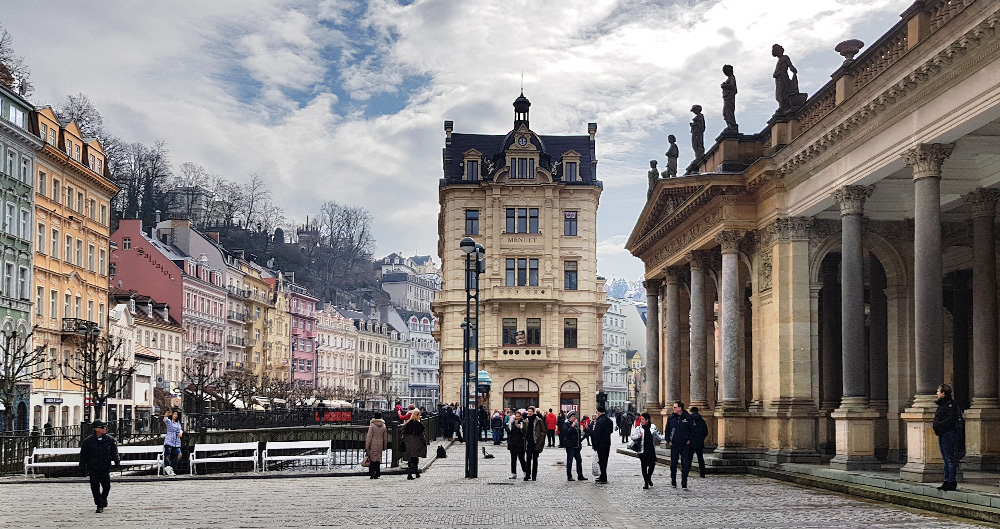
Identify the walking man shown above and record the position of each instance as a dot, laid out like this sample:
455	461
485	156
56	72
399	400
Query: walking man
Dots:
679	436
97	453
603	428
550	426
946	427
699	431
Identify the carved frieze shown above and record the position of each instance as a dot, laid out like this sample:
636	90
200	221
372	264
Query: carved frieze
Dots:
764	271
683	239
896	232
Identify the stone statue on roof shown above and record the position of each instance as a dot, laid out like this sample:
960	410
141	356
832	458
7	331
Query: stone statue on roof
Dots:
785	87
729	100
653	175
672	153
698	132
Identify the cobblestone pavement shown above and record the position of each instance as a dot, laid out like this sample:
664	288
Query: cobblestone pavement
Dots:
443	498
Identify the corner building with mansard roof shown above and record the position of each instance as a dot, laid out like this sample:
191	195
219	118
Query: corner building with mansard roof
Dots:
531	201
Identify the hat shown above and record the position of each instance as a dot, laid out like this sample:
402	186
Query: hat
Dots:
602	409
99	424
571	414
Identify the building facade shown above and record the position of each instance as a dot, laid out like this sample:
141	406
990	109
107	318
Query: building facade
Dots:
302	311
72	205
837	245
337	343
615	358
372	370
425	358
531	201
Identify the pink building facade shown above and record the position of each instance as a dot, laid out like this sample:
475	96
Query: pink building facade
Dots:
302	311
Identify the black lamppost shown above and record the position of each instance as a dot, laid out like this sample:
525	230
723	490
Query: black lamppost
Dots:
475	264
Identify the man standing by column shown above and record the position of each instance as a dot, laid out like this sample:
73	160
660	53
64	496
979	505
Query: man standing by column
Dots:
946	427
679	434
97	453
603	428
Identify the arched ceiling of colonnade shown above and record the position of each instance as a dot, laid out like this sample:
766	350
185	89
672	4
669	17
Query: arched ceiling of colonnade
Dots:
974	163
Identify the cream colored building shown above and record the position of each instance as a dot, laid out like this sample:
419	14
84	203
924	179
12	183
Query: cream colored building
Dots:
337	350
531	201
851	249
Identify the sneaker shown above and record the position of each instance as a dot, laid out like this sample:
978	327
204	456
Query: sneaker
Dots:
100	509
570	479
581	478
169	471
513	476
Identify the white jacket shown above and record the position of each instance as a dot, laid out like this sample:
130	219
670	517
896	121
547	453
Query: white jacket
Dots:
639	432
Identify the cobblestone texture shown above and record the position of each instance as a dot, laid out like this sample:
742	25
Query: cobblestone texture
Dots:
443	498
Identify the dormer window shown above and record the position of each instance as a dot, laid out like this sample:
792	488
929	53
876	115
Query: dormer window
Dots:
522	168
149	309
131	305
472	170
571	172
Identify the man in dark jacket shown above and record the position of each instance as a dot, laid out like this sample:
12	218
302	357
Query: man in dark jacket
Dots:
699	430
946	422
97	453
679	435
603	428
534	443
484	423
560	422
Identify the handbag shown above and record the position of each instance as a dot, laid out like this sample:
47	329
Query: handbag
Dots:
633	446
366	462
596	466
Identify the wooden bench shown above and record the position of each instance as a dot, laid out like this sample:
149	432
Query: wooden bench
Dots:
38	456
154	456
228	458
305	452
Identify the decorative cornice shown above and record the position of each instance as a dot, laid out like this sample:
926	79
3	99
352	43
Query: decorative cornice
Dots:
852	199
983	202
926	159
680	240
894	95
730	240
784	229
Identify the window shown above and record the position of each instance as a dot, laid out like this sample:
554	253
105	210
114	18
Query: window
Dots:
90	310
25	217
39	299
472	170
42	188
55	190
102	268
104	214
509	331
22	283
79	202
53	301
472	222
569	332
25	169
9	225
79	253
569	223
569	275
52	137
10	162
44	130
76	152
92	210
55	243
100	320
69	197
100	167
534	331
522	167
90	257
571	172
8	279
522	220
90	163
76	307
533	272
126	243
16	116
68	256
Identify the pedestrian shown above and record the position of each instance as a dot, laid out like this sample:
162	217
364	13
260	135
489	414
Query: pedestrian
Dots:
572	441
404	416
587	428
496	423
484	423
97	453
515	443
946	423
646	437
415	445
679	438
172	442
534	443
560	423
699	430
550	426
603	428
376	442
47	428
456	422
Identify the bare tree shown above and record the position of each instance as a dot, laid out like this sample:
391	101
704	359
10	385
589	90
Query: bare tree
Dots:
255	194
199	380
142	173
227	202
236	386
191	174
102	366
14	71
80	109
19	364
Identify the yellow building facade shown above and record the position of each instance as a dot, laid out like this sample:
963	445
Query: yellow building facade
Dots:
72	215
259	302
531	201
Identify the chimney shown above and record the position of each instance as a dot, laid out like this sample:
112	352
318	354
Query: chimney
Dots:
157	216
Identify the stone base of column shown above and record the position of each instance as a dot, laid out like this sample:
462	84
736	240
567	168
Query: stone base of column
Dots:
923	457
982	439
791	432
731	430
709	416
826	430
855	428
655	412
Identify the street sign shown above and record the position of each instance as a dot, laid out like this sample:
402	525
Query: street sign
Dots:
53	400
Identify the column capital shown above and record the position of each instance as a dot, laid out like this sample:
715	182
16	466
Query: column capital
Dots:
983	202
652	286
699	259
926	159
852	199
730	240
672	275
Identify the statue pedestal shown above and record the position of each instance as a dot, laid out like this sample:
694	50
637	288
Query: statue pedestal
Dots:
855	430
732	433
923	457
982	438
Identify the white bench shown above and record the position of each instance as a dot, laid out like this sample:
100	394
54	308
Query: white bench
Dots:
154	456
33	461
195	458
302	447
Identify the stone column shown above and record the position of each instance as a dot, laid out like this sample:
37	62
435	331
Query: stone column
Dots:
652	384
731	412
982	421
830	386
672	335
855	420
699	339
923	457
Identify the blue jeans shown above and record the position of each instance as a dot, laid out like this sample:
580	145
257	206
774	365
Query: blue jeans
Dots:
947	443
171	455
496	435
571	454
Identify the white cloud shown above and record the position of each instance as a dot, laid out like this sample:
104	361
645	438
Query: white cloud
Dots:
222	83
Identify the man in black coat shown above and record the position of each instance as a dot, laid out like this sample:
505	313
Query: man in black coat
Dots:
946	423
603	428
97	453
699	429
679	435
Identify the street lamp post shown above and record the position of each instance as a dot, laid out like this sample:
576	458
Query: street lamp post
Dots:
475	264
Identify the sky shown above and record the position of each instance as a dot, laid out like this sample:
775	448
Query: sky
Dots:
345	100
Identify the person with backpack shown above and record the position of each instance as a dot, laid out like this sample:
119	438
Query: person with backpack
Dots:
699	432
947	420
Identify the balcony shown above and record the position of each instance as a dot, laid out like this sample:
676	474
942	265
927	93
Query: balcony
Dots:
208	347
236	316
251	342
536	293
235	341
368	373
268	323
237	292
73	327
523	353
